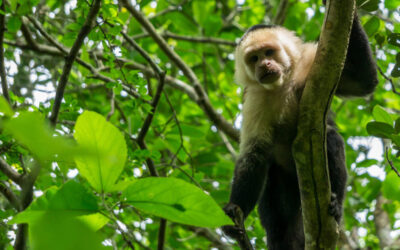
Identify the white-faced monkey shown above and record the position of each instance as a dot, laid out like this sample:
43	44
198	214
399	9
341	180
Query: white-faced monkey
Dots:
272	64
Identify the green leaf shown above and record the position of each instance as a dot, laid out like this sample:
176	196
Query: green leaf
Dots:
57	231
175	200
103	167
397	126
367	163
5	107
394	39
31	130
391	186
380	129
392	4
396	140
71	199
396	71
369	5
380	115
372	26
14	24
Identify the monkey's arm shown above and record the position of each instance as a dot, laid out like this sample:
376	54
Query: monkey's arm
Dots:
359	76
249	177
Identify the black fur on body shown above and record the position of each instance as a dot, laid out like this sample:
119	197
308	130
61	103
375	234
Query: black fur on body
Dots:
265	172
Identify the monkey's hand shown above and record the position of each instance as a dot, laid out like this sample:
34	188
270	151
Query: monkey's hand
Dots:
236	214
334	208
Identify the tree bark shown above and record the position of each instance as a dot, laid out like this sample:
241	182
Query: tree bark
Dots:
309	149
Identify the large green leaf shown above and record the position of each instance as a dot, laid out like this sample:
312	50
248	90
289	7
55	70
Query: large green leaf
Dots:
103	167
175	200
70	200
57	231
372	26
380	129
380	115
391	186
5	107
31	130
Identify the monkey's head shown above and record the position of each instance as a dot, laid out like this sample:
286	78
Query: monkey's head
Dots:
266	55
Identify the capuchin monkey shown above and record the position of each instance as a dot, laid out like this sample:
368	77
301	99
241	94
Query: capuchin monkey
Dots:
272	64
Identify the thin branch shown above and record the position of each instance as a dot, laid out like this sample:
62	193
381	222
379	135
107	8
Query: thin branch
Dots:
211	236
26	199
146	125
46	35
203	100
391	162
10	196
280	16
112	104
149	119
228	145
213	40
389	80
3	75
10	172
143	53
69	60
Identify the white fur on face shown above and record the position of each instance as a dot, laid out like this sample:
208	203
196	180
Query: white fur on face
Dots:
266	105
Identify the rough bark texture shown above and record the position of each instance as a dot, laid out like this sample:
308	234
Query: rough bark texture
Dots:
309	149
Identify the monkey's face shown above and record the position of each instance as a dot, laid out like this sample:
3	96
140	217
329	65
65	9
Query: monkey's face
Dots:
263	65
261	59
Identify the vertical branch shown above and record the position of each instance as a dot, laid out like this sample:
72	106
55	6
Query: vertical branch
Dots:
70	58
309	147
146	125
3	76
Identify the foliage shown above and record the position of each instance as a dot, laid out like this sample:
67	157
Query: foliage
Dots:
90	172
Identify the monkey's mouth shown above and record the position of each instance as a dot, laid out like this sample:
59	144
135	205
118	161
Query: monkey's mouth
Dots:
269	77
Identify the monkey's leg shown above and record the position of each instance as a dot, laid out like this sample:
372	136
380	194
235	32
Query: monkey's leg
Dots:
250	177
280	213
337	172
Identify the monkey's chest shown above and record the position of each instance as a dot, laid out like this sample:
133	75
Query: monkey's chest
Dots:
284	135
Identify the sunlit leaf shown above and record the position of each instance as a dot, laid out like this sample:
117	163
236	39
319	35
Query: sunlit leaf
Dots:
380	115
70	200
391	186
5	107
175	200
380	129
31	130
372	26
103	167
58	231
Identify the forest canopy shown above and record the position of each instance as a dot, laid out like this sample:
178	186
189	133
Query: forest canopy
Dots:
120	122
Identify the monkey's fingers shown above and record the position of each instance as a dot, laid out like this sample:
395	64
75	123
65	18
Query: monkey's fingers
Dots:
334	207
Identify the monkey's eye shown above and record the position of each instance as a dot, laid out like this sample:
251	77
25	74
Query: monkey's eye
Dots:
253	59
269	52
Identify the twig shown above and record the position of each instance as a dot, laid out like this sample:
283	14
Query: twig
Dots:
161	234
10	172
112	104
391	162
228	145
26	199
389	80
203	100
3	75
213	40
211	236
69	60
280	16
146	125
10	196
